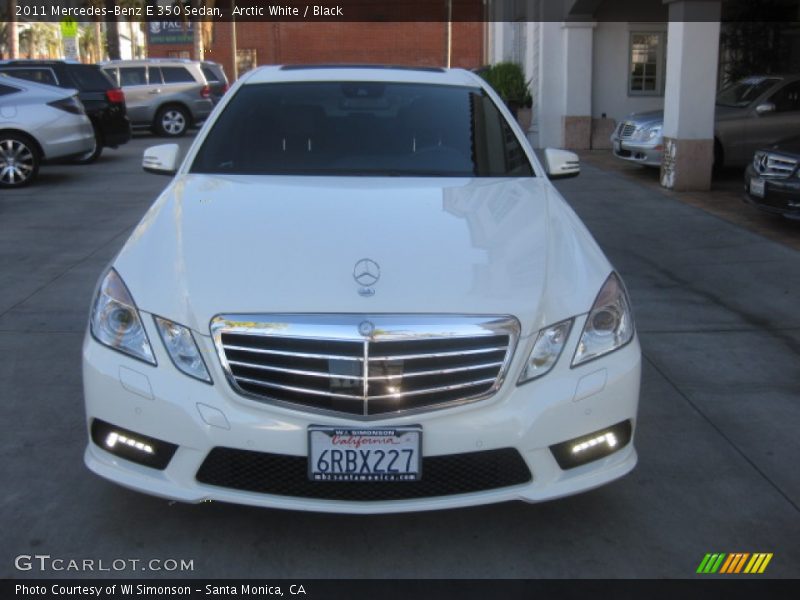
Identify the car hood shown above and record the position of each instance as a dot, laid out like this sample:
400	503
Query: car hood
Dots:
646	118
787	146
246	244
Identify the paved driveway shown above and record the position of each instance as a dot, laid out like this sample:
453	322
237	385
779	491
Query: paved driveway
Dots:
719	320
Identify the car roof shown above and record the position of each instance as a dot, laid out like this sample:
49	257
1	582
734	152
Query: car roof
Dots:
41	62
136	62
388	73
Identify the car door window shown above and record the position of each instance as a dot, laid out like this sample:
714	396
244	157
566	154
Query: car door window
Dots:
787	98
155	76
176	75
132	76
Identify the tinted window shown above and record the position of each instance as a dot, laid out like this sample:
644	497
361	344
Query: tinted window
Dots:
176	75
154	73
89	78
7	89
210	75
132	76
362	129
39	75
787	98
112	75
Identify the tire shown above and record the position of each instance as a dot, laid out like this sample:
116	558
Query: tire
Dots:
92	155
171	121
19	160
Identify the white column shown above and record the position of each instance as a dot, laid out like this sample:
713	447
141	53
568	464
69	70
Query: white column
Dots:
692	57
577	95
549	110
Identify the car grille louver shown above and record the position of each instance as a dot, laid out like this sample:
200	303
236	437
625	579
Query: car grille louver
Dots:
396	368
773	165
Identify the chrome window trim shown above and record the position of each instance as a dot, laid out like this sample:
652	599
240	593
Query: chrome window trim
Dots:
387	327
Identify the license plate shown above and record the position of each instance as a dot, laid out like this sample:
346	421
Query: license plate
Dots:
617	146
369	455
757	187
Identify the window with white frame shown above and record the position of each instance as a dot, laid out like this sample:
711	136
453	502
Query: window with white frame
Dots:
648	63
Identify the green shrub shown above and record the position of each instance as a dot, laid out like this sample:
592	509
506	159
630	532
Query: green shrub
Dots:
508	80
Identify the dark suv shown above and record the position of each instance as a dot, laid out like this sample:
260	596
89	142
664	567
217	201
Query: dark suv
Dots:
103	101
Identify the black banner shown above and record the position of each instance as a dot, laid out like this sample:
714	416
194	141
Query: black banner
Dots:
396	10
400	589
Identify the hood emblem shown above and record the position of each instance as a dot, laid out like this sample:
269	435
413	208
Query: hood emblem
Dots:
366	328
366	273
762	162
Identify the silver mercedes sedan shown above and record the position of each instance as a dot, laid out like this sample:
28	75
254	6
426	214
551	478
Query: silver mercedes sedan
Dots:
38	123
749	114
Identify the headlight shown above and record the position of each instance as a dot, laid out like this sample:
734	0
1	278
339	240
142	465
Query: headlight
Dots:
182	349
609	324
645	134
115	320
652	132
546	350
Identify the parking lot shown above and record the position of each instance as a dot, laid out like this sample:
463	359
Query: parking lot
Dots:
717	313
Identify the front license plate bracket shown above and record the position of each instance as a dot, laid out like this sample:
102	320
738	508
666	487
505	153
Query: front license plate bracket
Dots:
368	455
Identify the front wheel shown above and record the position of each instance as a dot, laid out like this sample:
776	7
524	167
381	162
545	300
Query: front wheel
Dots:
19	160
172	121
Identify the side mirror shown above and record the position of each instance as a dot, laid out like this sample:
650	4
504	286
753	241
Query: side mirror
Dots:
162	160
561	164
764	108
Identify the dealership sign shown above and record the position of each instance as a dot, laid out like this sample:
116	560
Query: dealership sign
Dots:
170	32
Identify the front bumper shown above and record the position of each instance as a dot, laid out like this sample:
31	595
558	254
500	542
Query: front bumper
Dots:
164	404
643	153
781	196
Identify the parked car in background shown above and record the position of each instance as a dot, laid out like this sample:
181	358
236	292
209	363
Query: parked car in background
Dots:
772	179
361	293
103	101
216	78
165	95
38	123
749	114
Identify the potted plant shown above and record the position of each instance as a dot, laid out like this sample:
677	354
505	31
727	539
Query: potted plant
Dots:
508	80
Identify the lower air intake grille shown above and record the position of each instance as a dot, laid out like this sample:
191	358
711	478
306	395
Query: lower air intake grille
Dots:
283	475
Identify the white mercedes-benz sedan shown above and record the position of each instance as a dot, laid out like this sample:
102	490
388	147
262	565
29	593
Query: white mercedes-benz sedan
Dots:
360	293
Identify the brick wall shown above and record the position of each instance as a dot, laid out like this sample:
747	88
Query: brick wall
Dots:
415	44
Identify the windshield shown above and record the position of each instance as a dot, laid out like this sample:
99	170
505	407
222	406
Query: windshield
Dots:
743	92
361	128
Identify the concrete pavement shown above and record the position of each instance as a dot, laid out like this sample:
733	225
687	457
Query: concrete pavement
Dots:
717	313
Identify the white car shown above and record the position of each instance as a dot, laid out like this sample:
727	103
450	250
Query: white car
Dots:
38	123
360	293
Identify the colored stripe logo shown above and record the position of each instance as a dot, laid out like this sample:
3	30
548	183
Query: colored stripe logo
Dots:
734	563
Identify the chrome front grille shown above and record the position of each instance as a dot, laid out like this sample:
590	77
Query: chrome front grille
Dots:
365	365
773	165
626	129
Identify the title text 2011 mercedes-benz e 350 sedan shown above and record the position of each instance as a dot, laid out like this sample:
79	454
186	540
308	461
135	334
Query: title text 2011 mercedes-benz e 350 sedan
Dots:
360	293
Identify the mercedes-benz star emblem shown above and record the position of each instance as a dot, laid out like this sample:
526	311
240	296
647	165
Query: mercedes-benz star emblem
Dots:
366	328
366	272
762	163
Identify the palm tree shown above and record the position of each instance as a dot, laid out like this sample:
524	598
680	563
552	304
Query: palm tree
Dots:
9	31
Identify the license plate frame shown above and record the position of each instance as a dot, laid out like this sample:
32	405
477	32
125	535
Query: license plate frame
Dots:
376	454
757	187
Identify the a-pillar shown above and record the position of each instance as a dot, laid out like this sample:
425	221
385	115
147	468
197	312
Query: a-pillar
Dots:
692	58
577	111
